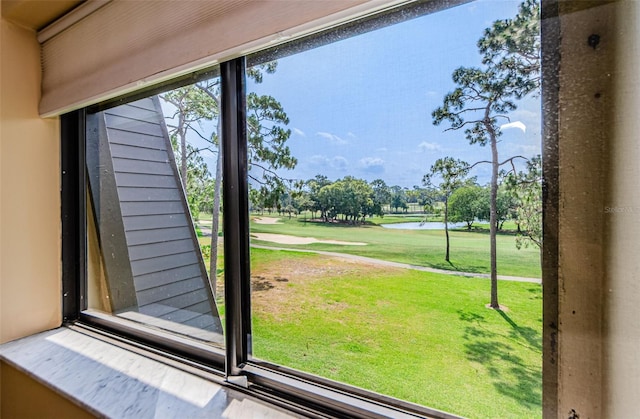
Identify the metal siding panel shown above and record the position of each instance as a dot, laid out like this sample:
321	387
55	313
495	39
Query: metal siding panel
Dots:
152	222
163	263
140	153
108	218
158	235
157	279
147	251
168	271
145	103
205	321
144	181
134	139
186	299
153	295
151	208
156	310
121	165
180	316
133	125
131	194
134	112
199	307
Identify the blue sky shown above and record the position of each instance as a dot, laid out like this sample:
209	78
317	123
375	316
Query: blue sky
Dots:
362	106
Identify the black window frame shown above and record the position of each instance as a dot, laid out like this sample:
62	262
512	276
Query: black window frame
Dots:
305	393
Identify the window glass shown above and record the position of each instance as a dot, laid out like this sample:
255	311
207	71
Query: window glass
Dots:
154	212
382	167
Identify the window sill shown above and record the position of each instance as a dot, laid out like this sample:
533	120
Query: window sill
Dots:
111	381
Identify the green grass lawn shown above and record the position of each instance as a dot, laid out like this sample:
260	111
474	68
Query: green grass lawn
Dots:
469	250
417	336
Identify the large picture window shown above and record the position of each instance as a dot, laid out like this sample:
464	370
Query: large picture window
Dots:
350	221
371	245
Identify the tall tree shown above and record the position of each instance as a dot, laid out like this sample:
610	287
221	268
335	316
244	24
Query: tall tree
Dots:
513	45
381	194
192	106
199	183
505	204
466	205
398	198
526	188
267	139
446	175
484	96
352	198
314	186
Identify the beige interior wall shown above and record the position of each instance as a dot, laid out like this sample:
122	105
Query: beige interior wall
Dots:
29	193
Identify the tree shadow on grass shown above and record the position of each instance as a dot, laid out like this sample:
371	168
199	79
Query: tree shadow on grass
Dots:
528	334
499	350
536	293
450	266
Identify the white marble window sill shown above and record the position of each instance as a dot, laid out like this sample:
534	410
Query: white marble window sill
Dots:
111	381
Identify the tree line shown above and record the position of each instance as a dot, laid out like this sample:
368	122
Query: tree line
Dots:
352	200
348	199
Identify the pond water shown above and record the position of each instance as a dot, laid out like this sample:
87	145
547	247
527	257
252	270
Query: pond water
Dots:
431	225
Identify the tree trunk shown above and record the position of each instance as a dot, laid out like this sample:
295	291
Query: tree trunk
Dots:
182	133
446	226
493	222
215	216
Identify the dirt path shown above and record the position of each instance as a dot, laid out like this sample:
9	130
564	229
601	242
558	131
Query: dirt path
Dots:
404	265
207	232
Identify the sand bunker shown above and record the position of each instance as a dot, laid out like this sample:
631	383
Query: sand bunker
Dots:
286	239
266	220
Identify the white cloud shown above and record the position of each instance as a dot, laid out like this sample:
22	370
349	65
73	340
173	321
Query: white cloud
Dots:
516	124
298	132
339	162
371	161
351	134
425	146
335	162
372	164
382	149
331	138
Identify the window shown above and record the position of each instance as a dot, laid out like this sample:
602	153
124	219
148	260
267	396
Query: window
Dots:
145	262
353	275
247	217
